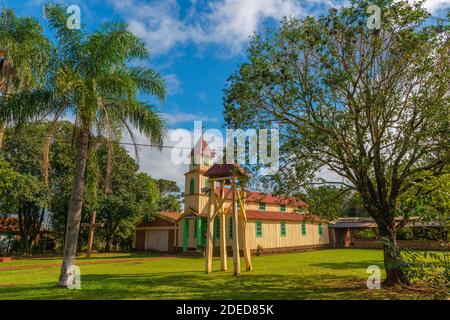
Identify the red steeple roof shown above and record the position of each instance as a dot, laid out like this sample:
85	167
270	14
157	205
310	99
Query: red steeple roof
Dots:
203	148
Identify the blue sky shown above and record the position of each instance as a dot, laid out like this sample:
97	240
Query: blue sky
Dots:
196	45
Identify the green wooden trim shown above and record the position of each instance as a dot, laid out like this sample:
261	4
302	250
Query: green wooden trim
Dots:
198	230
230	228
303	229
185	234
283	228
258	229
216	228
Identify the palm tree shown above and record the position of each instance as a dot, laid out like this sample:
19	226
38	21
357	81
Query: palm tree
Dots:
24	55
93	79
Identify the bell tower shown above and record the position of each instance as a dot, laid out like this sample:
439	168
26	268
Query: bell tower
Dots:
201	158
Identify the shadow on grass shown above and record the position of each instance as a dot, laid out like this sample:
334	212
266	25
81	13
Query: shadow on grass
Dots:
346	265
196	285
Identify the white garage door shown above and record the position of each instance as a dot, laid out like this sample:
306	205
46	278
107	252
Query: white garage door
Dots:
157	240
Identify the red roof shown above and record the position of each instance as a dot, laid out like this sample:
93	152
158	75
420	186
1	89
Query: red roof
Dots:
279	216
171	215
204	148
9	224
270	199
224	170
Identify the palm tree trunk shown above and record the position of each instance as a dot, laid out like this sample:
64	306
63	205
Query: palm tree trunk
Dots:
2	133
75	208
91	234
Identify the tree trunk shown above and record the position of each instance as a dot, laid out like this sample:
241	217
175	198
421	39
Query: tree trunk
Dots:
91	234
75	208
2	133
392	259
108	244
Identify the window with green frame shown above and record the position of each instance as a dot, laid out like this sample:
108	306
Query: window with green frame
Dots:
192	186
207	183
303	229
320	229
299	210
262	206
282	208
216	228
230	228
258	229
283	228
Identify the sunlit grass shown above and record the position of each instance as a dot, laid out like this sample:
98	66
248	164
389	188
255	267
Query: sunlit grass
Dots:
324	274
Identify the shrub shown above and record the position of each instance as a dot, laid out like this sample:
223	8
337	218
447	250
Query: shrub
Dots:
259	250
366	234
405	233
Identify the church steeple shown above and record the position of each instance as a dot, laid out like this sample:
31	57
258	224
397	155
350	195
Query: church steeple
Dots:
201	159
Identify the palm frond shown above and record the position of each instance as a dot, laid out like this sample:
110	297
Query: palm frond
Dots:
142	116
29	104
69	40
148	81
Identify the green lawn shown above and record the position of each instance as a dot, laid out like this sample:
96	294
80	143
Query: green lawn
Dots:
324	274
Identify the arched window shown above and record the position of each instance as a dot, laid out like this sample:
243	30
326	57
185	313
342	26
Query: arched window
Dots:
192	186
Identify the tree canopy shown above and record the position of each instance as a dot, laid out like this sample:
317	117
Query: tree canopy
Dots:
370	105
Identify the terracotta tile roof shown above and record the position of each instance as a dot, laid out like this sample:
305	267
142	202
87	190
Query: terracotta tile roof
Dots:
8	224
204	148
171	215
270	199
224	170
279	216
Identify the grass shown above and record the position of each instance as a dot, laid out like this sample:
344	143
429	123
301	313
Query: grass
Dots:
324	274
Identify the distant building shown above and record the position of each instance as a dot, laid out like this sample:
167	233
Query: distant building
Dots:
349	233
274	223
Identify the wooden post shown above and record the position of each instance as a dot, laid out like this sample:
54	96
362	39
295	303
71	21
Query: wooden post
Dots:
247	254
223	238
236	256
243	221
210	229
91	234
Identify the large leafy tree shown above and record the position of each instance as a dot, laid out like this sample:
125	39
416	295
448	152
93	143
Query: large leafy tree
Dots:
332	202
93	78
169	195
24	56
369	105
28	197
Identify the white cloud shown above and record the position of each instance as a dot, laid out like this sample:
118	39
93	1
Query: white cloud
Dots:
227	23
162	164
173	83
224	22
233	21
181	117
154	162
435	5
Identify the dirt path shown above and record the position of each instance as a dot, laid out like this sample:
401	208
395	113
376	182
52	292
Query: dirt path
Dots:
50	265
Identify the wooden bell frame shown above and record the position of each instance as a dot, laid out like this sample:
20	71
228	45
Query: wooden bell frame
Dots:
239	220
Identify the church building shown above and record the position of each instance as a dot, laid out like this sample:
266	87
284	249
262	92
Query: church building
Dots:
274	223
